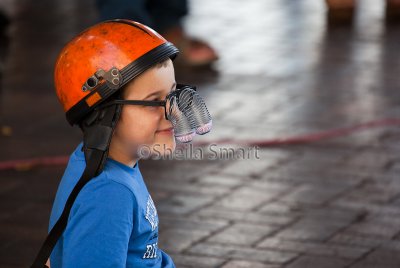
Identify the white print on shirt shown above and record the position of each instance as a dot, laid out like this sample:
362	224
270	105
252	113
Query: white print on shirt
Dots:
151	251
151	214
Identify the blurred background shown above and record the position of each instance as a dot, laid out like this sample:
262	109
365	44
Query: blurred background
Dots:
316	88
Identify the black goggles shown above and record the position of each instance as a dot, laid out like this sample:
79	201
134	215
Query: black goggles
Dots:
173	94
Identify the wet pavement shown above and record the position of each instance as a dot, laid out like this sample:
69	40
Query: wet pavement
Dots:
282	72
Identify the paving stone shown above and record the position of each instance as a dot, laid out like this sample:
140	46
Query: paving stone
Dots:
314	195
322	158
175	240
255	167
316	262
177	234
9	184
393	245
248	198
311	248
244	202
374	228
185	223
215	212
372	265
374	192
240	253
26	248
271	186
369	160
280	208
188	188
14	232
227	181
380	258
196	261
247	264
242	234
191	169
311	229
387	209
297	174
351	239
325	213
183	203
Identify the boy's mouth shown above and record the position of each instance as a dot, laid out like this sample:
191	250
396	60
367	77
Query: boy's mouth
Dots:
166	130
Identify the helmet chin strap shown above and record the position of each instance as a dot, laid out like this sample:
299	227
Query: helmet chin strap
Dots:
98	129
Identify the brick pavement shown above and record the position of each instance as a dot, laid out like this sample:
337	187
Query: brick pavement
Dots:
282	72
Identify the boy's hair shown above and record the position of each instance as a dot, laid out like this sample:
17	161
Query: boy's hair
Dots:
158	65
162	63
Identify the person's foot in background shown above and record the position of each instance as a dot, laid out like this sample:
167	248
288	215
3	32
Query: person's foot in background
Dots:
340	11
193	52
392	11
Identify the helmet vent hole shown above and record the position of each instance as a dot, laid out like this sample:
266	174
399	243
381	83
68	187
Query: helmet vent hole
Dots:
114	72
115	81
91	82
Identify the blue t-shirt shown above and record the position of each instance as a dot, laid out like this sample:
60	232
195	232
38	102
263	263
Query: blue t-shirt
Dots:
113	222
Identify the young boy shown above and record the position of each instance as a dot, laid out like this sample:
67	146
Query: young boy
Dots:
113	221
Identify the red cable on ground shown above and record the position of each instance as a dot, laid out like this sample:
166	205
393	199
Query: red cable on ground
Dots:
301	139
27	164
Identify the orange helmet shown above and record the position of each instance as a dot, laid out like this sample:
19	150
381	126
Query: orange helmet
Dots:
100	60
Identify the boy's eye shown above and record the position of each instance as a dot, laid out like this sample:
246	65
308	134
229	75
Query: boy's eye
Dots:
155	99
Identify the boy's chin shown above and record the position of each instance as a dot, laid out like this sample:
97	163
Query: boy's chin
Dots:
167	142
165	147
168	149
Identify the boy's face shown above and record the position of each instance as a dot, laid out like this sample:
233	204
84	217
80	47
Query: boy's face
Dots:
145	126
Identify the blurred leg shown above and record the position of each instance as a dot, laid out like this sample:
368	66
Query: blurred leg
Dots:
4	41
167	14
125	9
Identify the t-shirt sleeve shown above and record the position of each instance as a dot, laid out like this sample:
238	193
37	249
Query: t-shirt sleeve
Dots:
99	226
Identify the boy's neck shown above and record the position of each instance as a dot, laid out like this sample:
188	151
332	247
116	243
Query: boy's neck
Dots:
118	155
127	162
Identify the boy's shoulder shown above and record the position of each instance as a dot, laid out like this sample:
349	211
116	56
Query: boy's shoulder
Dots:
119	173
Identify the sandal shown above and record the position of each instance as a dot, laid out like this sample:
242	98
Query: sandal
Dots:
340	11
393	11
